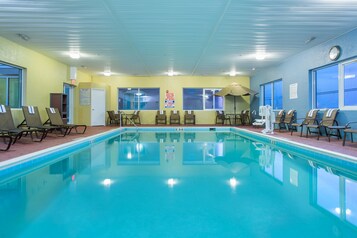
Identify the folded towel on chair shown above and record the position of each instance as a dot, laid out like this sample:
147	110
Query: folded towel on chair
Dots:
31	109
2	109
329	113
311	112
52	110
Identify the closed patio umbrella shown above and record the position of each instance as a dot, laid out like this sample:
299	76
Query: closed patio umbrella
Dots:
235	89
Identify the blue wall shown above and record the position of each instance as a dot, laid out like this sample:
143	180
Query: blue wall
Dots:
296	70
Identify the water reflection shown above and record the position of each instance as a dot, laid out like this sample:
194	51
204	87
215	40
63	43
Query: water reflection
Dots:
198	176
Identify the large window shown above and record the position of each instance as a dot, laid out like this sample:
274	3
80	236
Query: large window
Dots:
10	86
335	86
201	99
272	94
139	99
326	87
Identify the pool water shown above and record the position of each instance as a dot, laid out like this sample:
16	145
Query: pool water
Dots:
181	184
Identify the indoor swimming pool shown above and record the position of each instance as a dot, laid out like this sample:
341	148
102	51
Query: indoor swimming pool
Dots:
180	183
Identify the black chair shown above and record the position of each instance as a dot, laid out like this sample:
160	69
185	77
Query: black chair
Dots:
221	118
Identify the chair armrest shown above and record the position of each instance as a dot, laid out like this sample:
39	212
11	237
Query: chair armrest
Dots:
348	125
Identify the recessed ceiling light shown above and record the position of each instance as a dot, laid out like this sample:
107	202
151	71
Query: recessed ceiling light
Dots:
75	55
107	73
260	56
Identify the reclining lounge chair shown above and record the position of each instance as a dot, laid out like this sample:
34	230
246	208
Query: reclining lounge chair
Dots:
7	127
55	119
33	121
310	119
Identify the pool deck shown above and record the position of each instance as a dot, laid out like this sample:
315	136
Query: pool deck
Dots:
26	145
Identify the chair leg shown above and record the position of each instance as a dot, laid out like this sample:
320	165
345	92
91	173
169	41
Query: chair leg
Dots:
344	139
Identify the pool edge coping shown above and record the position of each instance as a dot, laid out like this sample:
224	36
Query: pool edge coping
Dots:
33	155
301	145
16	160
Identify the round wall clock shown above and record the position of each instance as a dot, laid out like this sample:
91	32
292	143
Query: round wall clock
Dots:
335	52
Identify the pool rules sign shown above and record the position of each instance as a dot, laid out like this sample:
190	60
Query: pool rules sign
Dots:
169	99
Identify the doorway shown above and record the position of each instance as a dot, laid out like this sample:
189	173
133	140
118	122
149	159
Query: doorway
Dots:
69	91
97	107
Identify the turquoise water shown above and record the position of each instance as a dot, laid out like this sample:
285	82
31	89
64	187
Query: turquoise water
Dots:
181	184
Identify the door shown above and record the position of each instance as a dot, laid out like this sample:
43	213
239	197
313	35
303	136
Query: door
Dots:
97	107
68	90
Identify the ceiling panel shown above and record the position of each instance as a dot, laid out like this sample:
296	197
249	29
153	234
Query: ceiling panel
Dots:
150	37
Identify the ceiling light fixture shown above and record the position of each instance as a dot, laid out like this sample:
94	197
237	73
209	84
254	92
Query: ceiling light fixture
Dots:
232	73
260	56
107	73
75	55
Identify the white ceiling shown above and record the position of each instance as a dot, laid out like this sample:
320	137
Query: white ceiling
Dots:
192	37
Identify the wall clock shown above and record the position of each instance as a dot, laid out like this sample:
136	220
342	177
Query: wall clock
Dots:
335	52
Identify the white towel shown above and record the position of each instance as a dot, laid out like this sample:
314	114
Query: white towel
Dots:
280	112
189	112
31	109
175	111
52	110
329	112
161	112
2	109
290	111
311	112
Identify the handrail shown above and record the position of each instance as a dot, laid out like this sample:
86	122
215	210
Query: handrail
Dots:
127	118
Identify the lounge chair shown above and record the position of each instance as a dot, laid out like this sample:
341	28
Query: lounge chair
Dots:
244	117
113	118
328	121
175	117
221	118
7	127
288	119
7	141
349	130
189	117
33	121
310	119
160	117
260	122
279	118
55	119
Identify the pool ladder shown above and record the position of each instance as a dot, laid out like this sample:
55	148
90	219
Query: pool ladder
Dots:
127	118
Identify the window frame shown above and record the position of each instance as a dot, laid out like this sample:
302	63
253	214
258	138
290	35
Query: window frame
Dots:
21	77
262	93
341	84
138	103
204	108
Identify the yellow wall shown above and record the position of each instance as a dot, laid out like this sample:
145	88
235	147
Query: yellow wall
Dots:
175	84
43	75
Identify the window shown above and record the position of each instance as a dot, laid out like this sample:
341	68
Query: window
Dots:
272	94
350	83
10	85
139	99
326	84
334	86
201	99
